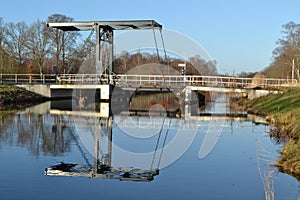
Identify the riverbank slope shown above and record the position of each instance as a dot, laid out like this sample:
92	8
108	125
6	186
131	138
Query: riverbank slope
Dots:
14	98
283	111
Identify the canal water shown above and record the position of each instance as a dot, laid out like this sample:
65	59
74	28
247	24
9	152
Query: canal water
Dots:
51	153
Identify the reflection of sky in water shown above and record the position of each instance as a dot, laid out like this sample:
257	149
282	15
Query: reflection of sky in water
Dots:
229	171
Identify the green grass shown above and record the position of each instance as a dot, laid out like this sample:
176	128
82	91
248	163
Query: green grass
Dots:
14	98
283	111
290	158
277	103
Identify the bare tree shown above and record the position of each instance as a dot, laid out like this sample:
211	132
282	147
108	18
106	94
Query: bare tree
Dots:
199	65
39	43
124	58
15	40
1	44
84	52
7	62
1	31
288	49
63	42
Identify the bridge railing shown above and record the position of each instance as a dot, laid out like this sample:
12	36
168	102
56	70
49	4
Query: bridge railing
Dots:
129	80
82	78
27	78
211	81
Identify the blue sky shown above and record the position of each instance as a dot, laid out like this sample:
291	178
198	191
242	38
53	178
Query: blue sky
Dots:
239	35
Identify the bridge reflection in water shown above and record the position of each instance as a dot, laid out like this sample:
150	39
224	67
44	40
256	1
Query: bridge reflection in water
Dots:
102	164
95	130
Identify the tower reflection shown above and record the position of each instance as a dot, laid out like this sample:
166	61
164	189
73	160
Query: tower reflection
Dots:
98	129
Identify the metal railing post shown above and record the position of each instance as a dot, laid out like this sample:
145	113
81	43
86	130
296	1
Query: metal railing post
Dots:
140	80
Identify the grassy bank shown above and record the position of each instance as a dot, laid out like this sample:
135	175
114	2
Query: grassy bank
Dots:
283	111
14	98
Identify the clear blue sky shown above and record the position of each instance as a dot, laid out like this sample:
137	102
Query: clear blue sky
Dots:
238	34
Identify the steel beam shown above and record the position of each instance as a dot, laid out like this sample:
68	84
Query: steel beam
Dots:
115	25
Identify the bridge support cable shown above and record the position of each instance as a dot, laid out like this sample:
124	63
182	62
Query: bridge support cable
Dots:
164	143
157	144
161	60
156	45
164	48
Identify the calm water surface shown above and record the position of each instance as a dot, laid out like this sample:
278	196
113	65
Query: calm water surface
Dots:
234	166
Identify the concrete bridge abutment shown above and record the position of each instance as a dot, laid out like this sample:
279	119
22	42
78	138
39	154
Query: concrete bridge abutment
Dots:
101	92
249	93
67	91
41	89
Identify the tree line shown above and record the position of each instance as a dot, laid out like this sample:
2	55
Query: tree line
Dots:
143	63
36	49
286	52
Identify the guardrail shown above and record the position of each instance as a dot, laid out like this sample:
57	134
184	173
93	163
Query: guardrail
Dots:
127	80
84	78
210	81
27	78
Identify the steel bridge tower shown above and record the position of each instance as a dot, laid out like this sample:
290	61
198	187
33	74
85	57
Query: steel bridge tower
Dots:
104	38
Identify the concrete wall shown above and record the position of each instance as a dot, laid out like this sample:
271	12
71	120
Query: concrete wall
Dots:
41	89
104	90
38	109
252	94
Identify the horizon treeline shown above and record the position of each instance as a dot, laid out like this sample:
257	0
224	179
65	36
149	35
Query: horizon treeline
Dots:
286	52
36	49
284	55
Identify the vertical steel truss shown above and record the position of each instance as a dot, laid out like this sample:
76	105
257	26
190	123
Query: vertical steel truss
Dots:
104	50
